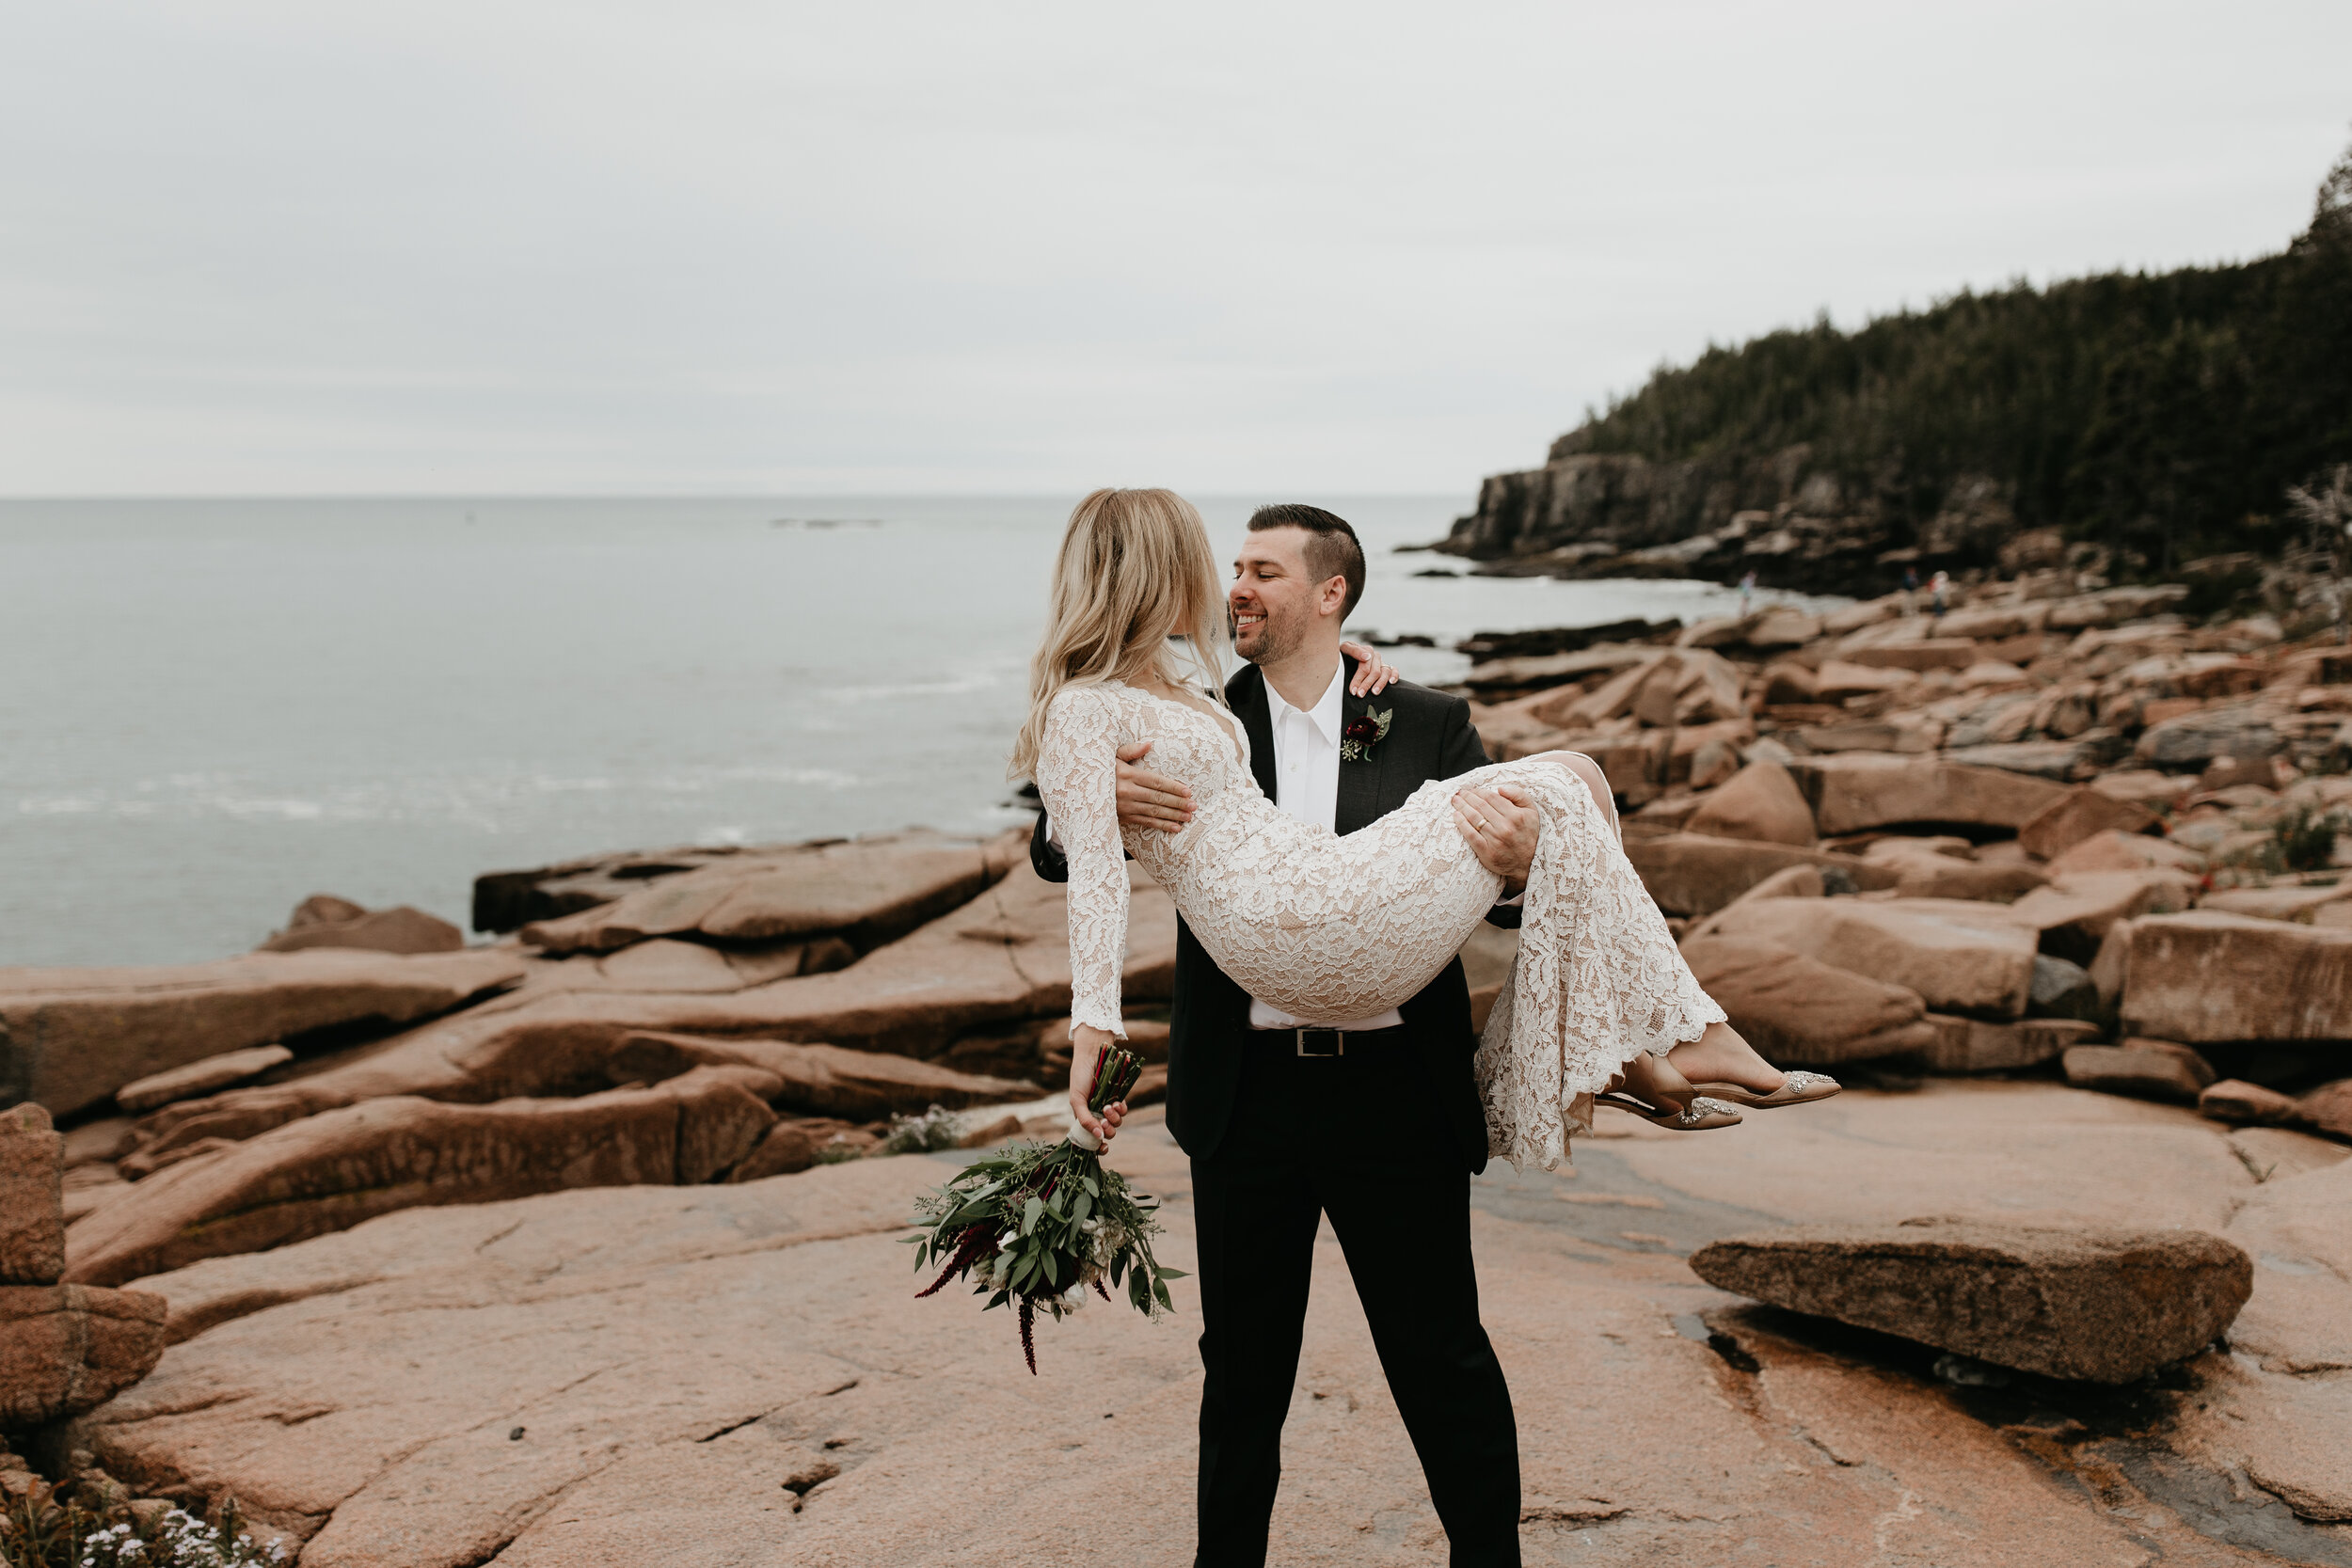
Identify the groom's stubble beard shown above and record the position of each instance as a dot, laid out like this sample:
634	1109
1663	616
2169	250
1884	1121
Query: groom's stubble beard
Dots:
1276	639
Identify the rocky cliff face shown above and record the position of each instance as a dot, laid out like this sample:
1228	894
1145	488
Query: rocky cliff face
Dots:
1785	517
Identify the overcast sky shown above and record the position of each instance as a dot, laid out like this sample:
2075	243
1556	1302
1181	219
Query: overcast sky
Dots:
460	246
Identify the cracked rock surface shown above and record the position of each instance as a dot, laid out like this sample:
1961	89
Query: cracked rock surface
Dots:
740	1375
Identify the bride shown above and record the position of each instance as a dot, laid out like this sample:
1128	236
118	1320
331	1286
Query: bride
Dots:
1327	927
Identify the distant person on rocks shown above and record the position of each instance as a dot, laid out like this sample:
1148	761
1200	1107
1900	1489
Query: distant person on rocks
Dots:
1939	592
1747	591
1321	1059
1911	591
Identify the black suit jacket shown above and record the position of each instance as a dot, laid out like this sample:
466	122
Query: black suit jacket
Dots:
1429	737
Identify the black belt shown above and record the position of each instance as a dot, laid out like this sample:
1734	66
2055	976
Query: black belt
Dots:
1328	1042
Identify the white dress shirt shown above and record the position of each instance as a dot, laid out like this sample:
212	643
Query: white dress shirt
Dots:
1307	786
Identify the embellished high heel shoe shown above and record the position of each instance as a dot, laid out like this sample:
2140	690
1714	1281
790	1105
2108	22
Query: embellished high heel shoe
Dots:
1796	1088
1664	1098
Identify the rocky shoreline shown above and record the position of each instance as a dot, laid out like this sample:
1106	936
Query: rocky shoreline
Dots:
2056	840
2072	829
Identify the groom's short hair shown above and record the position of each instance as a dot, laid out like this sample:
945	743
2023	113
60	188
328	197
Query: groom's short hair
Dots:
1332	548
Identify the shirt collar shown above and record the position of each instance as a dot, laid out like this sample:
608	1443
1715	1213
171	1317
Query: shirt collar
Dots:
1324	715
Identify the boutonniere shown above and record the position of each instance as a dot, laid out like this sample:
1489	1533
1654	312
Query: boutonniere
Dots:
1362	734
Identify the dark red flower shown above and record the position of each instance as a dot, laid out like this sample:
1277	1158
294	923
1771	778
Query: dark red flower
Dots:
1361	729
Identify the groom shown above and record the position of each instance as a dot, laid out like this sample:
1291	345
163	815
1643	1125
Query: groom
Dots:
1374	1122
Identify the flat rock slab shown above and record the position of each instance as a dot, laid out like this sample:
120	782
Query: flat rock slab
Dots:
69	1037
1002	958
1854	791
674	1356
1958	957
2099	1306
1799	1011
868	890
205	1077
64	1349
331	1171
1693	874
2206	976
2298	1225
822	1080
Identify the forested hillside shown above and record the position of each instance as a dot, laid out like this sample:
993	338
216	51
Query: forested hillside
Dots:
2164	415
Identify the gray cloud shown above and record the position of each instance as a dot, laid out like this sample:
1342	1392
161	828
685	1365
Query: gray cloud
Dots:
435	247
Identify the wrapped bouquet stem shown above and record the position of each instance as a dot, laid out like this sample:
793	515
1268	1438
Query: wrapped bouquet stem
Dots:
1037	1225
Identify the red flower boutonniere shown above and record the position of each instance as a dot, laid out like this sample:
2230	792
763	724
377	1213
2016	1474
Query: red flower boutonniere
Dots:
1362	734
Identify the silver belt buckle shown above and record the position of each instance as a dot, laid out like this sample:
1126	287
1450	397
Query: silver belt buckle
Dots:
1336	1039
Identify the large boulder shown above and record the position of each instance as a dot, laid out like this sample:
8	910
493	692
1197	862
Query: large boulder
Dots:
1964	1045
32	1197
2206	976
69	1037
2099	1306
2146	1070
2327	1109
868	892
1946	868
2241	1104
1800	1012
1960	957
64	1349
2192	740
1693	874
333	1170
323	920
795	1144
2073	914
1761	802
1854	791
2077	814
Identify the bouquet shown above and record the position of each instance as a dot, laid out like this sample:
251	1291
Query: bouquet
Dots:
1042	1224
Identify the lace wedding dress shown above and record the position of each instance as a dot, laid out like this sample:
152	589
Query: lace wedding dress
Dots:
1332	928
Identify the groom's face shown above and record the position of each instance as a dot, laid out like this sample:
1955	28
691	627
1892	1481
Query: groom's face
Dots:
1275	600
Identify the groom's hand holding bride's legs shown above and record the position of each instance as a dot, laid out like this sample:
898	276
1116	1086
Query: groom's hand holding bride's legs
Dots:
1501	824
1086	1045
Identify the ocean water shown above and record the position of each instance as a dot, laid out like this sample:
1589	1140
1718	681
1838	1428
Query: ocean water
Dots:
210	709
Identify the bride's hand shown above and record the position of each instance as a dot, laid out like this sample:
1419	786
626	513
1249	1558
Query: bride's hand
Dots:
1374	674
1086	1045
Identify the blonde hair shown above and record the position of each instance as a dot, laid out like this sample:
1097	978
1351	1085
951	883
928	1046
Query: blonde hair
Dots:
1134	570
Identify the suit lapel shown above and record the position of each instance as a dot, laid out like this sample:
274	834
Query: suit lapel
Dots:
1360	793
1245	695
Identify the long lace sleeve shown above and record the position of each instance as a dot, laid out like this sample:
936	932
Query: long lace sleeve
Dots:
1076	773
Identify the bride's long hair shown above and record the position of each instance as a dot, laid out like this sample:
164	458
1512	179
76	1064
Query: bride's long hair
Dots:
1135	572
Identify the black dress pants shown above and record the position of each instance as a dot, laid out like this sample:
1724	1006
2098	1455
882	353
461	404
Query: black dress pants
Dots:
1361	1138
